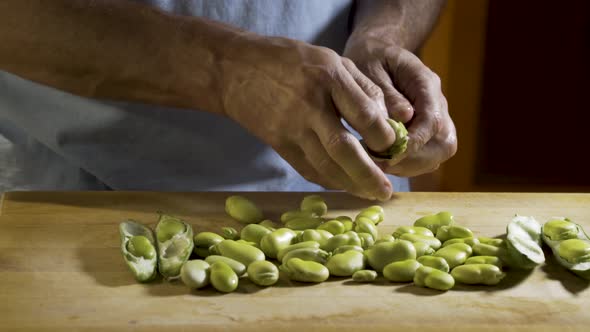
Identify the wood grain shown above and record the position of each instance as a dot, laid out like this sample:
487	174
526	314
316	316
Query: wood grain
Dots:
61	269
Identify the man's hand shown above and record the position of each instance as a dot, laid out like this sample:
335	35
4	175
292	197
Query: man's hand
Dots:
413	95
292	95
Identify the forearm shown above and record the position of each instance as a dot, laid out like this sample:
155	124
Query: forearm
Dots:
116	50
406	23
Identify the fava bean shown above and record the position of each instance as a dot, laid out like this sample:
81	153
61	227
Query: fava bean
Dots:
571	253
412	230
315	204
345	264
333	226
243	253
431	241
243	210
263	273
381	254
254	233
422	249
304	244
348	238
273	242
574	251
401	271
484	260
444	233
239	268
470	241
195	273
560	229
204	240
229	233
455	254
491	241
343	249
304	223
385	238
485	274
426	276
319	235
296	214
374	213
365	225
222	277
364	276
268	224
308	254
438	263
305	271
434	221
367	240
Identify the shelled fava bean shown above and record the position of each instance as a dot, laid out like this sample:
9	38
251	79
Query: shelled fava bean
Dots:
309	247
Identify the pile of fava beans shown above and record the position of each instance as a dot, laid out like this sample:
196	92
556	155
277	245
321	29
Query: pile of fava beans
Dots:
434	252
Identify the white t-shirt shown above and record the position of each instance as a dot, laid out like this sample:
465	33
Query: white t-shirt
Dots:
63	141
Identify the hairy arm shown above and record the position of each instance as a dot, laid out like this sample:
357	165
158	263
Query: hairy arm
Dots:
115	49
406	23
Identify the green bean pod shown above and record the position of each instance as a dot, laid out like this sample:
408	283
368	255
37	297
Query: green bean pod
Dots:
315	204
483	274
222	277
571	252
305	271
308	254
195	273
243	210
299	245
333	226
174	244
426	276
401	271
379	255
205	240
263	273
412	230
444	233
430	240
273	242
434	221
345	264
397	148
243	253
455	254
523	242
436	262
238	267
138	247
364	276
484	260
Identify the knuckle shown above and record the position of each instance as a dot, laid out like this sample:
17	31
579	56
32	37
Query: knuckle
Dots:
348	62
374	91
451	146
339	140
366	117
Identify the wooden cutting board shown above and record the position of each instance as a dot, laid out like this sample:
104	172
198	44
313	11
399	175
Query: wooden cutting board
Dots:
61	270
